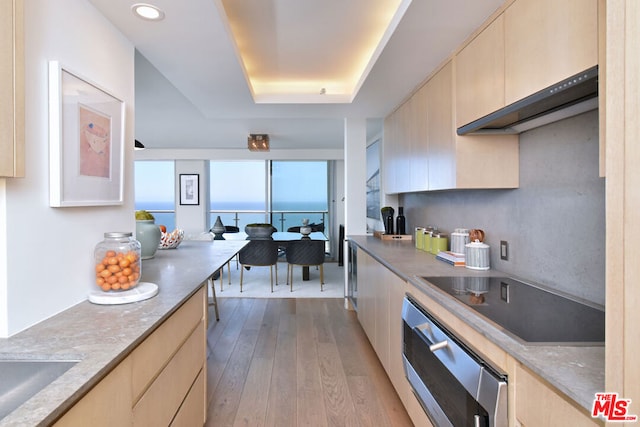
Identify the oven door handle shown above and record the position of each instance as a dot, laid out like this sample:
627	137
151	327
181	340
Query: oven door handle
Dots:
425	328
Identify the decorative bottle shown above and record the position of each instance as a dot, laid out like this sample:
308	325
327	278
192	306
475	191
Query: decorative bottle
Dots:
400	221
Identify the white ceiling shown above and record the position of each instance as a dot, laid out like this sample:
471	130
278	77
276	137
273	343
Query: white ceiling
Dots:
191	91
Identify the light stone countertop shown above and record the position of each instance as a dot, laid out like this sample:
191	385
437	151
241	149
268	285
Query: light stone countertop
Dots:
577	371
100	336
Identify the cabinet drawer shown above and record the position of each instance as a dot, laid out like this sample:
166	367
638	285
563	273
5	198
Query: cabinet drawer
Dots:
191	412
159	404
156	351
108	404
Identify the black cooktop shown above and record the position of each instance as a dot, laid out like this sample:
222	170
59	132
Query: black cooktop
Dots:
532	314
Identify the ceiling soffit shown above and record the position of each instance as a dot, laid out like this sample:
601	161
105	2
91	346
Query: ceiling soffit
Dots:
294	51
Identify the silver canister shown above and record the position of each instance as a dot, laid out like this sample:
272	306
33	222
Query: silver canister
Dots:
459	238
476	256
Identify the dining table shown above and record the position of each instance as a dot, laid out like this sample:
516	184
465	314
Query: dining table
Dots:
283	237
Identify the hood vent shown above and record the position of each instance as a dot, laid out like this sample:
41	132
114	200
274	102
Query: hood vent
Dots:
570	97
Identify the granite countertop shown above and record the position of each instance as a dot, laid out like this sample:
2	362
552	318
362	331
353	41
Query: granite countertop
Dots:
100	336
577	371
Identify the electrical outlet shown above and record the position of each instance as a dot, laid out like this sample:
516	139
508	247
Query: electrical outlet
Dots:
504	250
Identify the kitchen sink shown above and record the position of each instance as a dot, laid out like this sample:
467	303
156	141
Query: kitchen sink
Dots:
23	378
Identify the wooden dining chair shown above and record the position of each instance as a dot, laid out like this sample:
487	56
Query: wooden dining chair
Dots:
305	253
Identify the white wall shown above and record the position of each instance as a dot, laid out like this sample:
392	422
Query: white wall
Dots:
49	251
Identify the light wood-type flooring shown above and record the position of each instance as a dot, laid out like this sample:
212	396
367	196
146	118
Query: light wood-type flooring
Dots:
295	362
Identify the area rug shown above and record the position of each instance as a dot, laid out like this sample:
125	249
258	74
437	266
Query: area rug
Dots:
256	284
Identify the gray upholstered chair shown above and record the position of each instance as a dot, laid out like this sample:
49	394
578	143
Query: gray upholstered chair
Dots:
305	253
259	253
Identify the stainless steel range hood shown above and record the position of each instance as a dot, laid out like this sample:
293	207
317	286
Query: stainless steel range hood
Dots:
570	97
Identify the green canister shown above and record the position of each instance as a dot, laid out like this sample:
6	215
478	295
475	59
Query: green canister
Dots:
439	243
419	237
428	232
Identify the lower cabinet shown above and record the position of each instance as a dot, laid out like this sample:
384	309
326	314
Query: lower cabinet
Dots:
380	295
532	402
547	407
161	383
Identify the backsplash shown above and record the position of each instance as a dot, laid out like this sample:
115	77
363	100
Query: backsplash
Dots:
554	223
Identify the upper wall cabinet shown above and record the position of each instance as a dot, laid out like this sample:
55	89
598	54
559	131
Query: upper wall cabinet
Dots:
11	89
547	41
465	162
480	74
422	151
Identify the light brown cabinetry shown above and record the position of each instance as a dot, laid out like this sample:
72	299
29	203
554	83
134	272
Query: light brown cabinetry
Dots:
547	41
11	88
162	382
380	314
480	74
538	405
437	158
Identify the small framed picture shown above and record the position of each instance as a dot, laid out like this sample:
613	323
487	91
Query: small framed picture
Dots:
189	189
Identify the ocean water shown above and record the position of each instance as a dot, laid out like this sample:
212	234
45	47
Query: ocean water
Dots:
285	215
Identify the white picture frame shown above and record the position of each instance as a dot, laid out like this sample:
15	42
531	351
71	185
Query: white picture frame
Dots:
189	189
86	142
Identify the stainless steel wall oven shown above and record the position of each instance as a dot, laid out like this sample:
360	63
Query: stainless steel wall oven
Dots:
455	386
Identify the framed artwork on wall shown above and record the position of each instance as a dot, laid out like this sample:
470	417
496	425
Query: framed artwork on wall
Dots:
189	189
86	142
373	181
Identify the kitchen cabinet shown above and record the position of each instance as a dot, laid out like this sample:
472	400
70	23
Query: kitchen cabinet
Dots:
11	88
548	407
446	160
163	379
380	316
480	74
108	404
547	41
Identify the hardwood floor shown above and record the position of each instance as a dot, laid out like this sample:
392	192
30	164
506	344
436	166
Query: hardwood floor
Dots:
295	362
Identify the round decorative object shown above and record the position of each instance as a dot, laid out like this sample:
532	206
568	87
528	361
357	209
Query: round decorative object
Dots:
305	230
218	229
149	235
171	240
259	231
117	262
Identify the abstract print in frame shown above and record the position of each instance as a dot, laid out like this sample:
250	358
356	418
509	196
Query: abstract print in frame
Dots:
86	125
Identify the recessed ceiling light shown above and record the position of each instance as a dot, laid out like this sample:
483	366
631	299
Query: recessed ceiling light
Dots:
147	11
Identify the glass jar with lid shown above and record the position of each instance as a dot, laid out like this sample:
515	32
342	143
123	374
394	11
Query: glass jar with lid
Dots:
117	262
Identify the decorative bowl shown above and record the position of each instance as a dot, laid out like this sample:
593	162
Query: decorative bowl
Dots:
171	240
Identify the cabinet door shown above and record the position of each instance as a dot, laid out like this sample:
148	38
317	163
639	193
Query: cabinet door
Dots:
397	291
547	41
366	296
419	141
480	74
538	405
11	89
442	150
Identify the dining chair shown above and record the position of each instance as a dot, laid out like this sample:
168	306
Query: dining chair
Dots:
305	253
259	253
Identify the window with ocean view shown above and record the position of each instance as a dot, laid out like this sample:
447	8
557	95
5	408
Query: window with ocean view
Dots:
299	190
238	192
154	187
